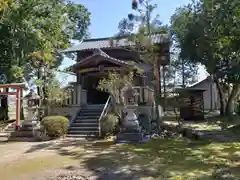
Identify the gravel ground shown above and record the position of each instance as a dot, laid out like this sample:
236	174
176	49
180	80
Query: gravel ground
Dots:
79	174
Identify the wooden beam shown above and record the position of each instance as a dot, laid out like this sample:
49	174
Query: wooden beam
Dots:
13	85
7	93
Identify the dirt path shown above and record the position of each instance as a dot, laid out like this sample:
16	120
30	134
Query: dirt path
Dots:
63	159
46	160
16	150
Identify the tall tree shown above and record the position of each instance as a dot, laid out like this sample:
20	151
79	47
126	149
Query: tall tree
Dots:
208	34
141	25
32	32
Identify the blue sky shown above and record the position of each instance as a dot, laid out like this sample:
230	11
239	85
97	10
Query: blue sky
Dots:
105	15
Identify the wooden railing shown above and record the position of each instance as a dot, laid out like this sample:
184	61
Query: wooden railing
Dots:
104	112
145	95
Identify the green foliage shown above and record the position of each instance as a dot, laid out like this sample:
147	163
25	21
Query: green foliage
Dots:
55	93
32	33
207	33
114	83
55	126
109	124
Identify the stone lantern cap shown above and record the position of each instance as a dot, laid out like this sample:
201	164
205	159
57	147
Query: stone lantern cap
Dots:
32	95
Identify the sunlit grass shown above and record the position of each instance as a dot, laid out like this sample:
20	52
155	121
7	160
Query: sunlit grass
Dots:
210	123
177	159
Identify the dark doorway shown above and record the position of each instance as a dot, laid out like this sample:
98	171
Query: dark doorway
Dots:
95	96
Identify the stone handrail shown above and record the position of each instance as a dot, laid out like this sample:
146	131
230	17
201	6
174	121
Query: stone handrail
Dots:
104	112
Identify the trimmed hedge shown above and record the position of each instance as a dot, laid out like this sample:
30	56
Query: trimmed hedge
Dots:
109	124
55	126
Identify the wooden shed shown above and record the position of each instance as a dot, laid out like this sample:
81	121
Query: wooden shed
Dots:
192	108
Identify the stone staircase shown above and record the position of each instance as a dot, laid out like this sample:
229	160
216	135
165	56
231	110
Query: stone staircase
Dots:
6	131
86	122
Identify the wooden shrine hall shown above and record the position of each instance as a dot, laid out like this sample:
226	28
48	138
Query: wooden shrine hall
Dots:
97	57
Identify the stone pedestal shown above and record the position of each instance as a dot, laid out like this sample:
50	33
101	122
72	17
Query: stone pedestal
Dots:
31	123
130	131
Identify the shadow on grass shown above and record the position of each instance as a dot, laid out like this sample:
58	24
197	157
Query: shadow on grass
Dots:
167	159
158	159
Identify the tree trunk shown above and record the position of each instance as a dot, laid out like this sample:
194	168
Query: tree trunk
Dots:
4	105
230	103
221	97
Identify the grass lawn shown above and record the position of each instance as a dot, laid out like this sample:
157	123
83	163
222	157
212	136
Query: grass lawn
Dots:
171	159
210	123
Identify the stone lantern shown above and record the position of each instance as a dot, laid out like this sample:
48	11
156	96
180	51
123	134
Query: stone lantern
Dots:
31	121
130	130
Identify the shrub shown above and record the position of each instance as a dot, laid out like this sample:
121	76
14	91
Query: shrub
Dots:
109	124
55	126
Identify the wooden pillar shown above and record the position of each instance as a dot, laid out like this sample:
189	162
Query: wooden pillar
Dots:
157	74
79	93
18	108
74	96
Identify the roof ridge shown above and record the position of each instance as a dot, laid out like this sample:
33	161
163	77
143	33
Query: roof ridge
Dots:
117	37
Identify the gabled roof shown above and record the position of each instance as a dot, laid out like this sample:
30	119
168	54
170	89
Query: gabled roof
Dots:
100	53
112	42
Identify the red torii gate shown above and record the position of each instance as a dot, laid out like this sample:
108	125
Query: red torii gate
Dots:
18	87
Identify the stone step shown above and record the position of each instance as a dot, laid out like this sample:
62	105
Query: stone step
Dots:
85	124
89	106
88	117
4	134
22	134
85	121
10	129
93	129
89	113
80	135
30	123
84	133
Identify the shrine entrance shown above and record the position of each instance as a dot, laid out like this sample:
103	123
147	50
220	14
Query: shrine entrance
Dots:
94	95
17	87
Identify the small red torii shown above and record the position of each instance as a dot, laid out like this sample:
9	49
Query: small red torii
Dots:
18	87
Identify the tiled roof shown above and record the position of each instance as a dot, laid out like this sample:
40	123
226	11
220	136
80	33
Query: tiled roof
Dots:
99	52
103	43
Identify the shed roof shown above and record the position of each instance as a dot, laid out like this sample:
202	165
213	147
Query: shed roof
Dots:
112	42
190	89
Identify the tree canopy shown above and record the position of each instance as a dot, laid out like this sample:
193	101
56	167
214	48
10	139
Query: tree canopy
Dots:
33	32
208	33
